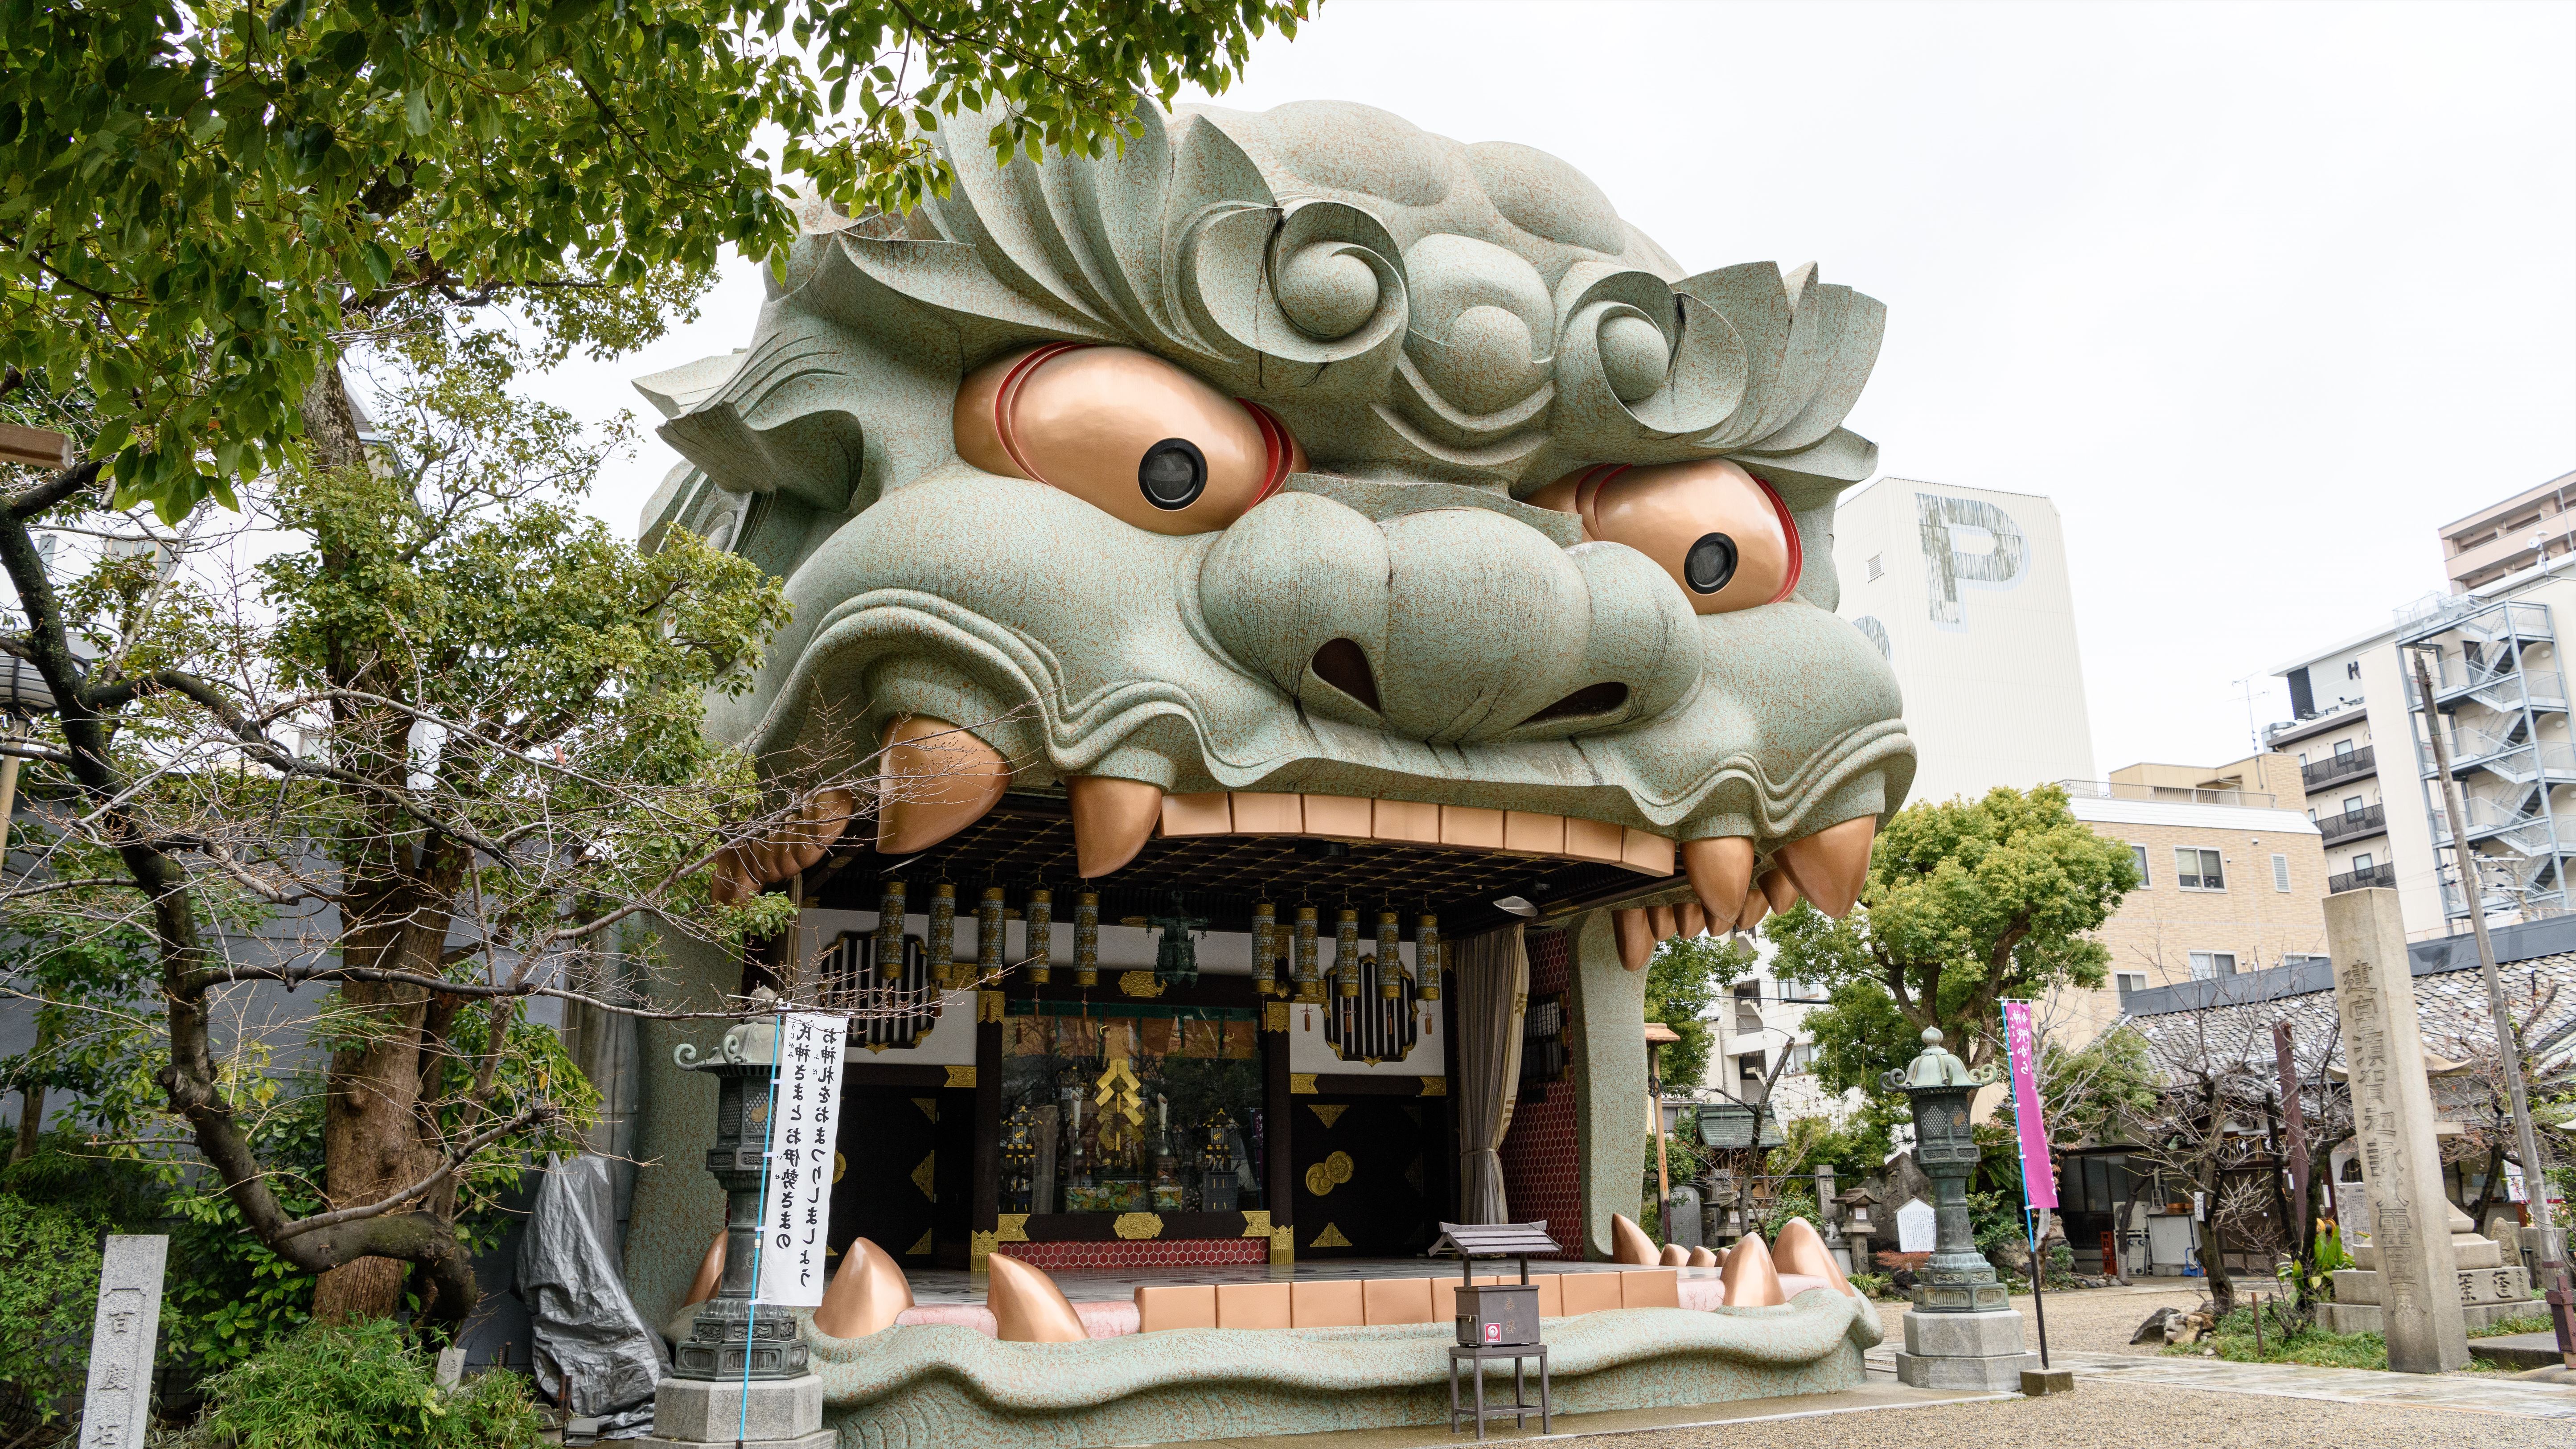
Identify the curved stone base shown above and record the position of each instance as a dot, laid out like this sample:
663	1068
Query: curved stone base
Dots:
952	1388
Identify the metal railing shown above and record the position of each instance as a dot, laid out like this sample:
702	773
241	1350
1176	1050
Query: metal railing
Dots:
2353	824
2175	794
2382	874
2349	765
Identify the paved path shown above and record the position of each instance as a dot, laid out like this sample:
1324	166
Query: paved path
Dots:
2476	1393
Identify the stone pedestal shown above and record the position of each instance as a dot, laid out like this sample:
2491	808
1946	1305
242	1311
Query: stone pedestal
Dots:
2392	1106
781	1414
2491	1290
1964	1351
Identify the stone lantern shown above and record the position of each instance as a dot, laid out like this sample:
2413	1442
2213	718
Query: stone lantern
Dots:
1962	1332
741	1374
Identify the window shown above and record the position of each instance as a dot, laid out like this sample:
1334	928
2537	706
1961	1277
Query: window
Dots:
2343	749
1804	991
1802	1058
2281	873
2129	981
2361	862
2138	853
2352	807
2210	965
2198	870
1875	567
2303	759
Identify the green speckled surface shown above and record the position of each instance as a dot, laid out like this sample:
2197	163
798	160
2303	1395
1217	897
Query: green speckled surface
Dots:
1608	1064
953	1388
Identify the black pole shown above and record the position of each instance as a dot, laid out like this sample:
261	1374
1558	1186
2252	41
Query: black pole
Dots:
2038	1264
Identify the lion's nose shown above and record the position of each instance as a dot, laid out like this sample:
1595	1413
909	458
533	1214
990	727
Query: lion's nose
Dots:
1448	625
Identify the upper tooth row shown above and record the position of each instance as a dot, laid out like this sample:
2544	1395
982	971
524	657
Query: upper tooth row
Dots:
1411	822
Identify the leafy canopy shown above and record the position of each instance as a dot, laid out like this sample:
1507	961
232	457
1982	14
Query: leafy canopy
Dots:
1969	903
201	201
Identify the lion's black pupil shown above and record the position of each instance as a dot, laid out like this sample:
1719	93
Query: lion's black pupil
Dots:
1710	564
1173	474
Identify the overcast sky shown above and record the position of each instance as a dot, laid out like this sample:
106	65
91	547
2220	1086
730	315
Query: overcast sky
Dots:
2261	295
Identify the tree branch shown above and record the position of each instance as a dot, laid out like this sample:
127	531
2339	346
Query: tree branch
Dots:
540	1113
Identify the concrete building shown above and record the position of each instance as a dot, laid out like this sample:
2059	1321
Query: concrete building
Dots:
2361	737
2507	537
1965	591
2232	880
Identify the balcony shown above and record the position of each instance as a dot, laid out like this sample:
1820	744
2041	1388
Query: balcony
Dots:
2353	824
2382	874
2351	765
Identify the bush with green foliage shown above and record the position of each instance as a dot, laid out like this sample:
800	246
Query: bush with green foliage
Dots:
2285	1340
48	1296
368	1383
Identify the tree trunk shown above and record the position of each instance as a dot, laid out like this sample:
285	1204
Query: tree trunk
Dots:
2213	1250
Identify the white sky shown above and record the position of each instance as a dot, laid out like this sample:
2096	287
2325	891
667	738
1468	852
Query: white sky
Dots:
2259	294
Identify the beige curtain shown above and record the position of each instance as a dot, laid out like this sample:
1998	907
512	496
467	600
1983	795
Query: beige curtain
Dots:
1493	992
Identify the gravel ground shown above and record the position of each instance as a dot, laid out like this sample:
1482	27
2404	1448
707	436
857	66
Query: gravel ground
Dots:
2087	1320
2125	1416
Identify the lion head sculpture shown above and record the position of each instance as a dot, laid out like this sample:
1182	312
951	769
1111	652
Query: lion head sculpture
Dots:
1309	456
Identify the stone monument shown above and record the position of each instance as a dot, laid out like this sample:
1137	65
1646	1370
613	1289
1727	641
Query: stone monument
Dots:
741	1377
1962	1332
118	1407
2416	1278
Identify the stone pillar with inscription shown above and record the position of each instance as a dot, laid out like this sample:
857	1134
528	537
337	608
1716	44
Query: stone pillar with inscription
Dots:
2392	1109
118	1407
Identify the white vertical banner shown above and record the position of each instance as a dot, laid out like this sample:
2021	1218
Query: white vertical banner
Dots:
796	1214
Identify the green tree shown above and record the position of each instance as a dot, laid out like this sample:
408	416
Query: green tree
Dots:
1682	983
1968	904
446	738
203	201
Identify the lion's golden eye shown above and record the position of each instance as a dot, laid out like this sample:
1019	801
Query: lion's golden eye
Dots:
1126	431
1722	534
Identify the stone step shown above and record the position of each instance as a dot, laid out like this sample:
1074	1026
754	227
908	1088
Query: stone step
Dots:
2364	1317
2467	1251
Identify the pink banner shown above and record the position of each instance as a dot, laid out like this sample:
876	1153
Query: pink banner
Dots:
2021	1043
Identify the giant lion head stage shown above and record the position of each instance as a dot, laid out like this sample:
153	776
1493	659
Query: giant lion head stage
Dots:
1306	472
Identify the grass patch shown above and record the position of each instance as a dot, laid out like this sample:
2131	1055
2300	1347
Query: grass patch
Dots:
2536	1323
2234	1340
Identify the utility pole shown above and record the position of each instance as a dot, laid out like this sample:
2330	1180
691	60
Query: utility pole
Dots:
2552	1248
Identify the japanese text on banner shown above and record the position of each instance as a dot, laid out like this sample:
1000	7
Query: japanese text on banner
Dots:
796	1215
2021	1043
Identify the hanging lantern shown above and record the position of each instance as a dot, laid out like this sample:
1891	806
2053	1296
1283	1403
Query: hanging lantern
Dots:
1086	939
1346	952
988	936
1427	963
940	946
1309	984
1390	961
1176	959
890	934
1265	934
1041	935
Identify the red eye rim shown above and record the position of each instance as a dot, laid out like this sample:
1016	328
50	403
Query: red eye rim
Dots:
1589	488
1275	441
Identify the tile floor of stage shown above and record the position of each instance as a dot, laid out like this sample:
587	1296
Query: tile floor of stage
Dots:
947	1285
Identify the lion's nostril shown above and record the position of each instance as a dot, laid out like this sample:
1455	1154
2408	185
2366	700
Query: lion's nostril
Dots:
1591	699
1344	665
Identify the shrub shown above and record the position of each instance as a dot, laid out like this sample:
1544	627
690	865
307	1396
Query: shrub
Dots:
326	1387
48	1296
1875	1285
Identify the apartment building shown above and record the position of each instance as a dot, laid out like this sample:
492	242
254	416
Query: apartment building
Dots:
2232	879
1965	590
2363	738
2505	538
1761	1018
